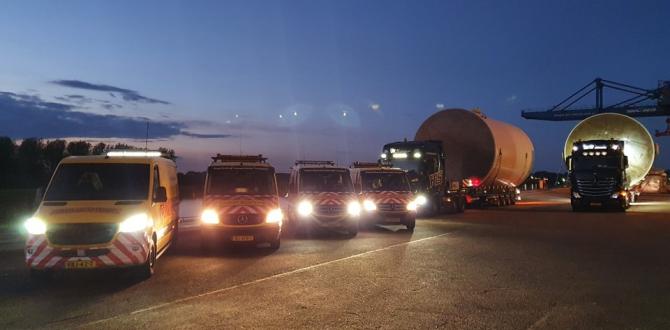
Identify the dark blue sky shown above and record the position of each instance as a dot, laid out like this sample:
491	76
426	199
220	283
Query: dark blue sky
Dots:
277	77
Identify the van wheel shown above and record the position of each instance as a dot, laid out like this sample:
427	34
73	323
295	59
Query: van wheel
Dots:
352	231
410	225
274	245
148	268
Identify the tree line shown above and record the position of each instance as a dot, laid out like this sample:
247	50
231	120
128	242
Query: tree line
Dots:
31	163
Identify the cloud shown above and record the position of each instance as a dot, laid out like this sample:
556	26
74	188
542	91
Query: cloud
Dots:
204	136
126	94
511	98
24	116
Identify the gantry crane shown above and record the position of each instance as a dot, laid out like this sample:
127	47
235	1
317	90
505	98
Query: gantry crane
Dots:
641	103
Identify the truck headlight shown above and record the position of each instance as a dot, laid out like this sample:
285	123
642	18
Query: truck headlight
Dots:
615	195
209	216
135	223
412	206
354	208
35	226
369	205
274	216
421	200
305	208
576	194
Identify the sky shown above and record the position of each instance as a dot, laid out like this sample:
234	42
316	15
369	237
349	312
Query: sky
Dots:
313	79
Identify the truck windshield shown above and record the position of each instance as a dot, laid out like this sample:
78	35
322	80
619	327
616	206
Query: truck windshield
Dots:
99	182
384	181
591	163
325	181
241	181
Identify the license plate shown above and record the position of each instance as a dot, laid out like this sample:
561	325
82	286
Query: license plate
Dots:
80	264
243	238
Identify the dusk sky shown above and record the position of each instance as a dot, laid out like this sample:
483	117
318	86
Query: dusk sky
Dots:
330	80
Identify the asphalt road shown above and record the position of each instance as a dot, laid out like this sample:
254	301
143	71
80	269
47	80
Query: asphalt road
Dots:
533	265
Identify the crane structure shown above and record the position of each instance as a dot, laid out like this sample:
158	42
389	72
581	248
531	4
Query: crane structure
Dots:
640	102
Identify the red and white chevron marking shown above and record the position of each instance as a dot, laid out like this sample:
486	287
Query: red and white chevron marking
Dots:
330	198
389	197
121	252
226	204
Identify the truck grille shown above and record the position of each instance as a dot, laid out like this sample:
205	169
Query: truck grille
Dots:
242	219
596	188
330	209
391	207
81	233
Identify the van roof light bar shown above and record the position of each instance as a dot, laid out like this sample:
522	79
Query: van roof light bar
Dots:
367	165
239	158
133	153
315	162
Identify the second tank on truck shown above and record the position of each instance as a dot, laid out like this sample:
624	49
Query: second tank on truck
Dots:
606	155
463	157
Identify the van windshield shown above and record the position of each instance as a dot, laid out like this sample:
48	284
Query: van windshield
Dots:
384	181
242	181
325	181
99	182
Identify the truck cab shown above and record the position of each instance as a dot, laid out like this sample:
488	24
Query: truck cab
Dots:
424	163
385	194
241	204
322	195
597	171
115	211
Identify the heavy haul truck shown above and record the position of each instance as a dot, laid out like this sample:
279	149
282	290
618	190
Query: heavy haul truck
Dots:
606	156
462	158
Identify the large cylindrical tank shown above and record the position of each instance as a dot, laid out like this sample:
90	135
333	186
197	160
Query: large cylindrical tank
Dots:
479	147
638	145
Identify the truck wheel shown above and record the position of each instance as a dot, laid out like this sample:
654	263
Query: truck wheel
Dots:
461	205
148	268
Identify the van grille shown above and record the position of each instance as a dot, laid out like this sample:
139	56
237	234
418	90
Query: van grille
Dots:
81	233
242	219
330	209
602	187
388	207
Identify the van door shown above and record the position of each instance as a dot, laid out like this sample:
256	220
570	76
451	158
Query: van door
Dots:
158	212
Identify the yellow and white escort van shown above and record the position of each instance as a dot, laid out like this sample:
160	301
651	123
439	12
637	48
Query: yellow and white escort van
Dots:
321	195
241	204
117	210
385	194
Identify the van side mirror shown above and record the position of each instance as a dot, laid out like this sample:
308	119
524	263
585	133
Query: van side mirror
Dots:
160	195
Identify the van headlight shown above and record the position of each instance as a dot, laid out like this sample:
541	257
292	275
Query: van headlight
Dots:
305	208
421	200
135	223
35	226
369	205
412	206
274	216
209	216
354	208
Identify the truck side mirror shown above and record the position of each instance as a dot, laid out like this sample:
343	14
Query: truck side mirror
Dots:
567	161
625	161
160	195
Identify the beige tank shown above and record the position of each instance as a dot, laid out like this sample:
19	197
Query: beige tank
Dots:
478	146
638	145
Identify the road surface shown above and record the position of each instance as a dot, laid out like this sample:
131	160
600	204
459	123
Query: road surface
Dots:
533	265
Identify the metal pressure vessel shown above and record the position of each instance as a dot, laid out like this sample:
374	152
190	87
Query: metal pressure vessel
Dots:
476	146
638	144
